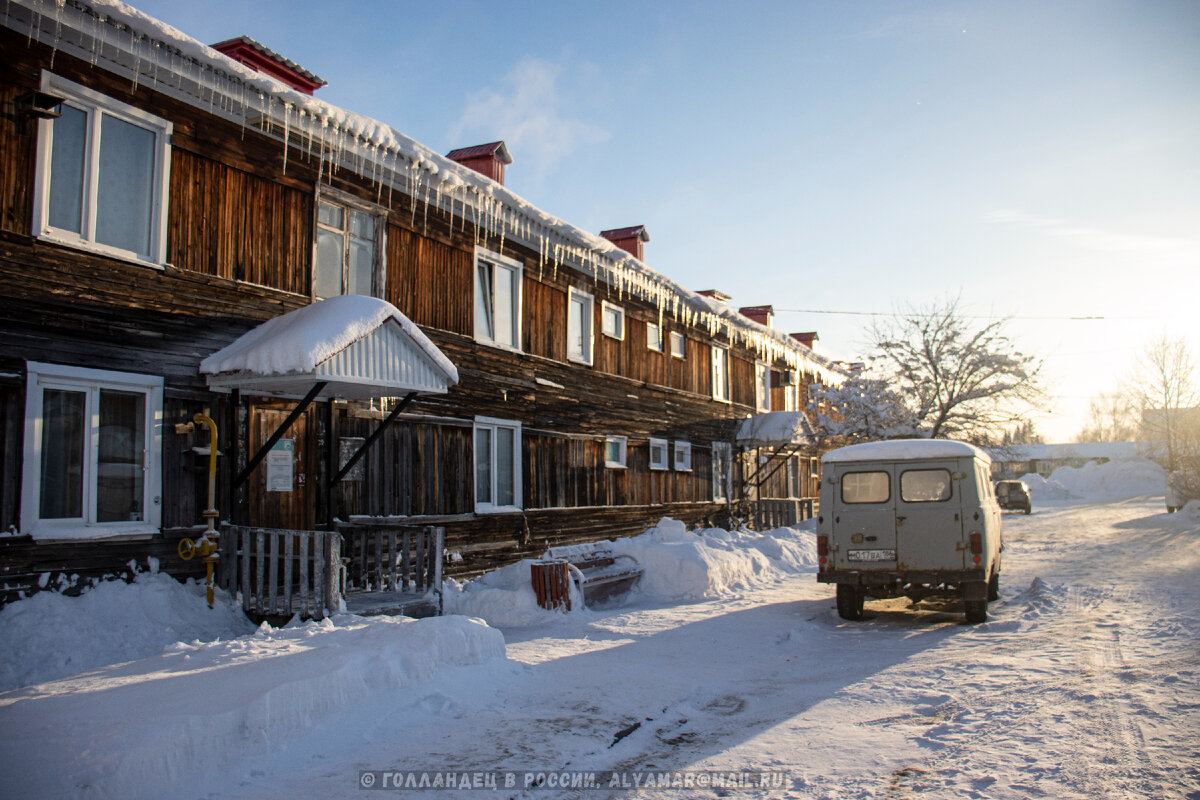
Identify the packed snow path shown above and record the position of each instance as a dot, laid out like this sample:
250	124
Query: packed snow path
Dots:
1082	684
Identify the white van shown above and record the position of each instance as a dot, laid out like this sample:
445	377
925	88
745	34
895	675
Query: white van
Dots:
909	517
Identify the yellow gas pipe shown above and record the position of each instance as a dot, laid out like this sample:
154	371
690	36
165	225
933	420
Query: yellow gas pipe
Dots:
206	545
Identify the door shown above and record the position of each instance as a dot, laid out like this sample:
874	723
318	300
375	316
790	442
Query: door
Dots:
929	527
281	494
864	517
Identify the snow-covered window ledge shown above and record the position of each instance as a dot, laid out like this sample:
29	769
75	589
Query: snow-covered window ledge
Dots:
93	450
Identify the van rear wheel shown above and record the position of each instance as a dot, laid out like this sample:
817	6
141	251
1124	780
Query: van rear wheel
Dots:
849	601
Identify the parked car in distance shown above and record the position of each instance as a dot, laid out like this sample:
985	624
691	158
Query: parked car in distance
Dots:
1014	495
909	518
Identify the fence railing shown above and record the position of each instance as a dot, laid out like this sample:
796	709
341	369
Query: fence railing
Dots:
771	513
282	572
386	558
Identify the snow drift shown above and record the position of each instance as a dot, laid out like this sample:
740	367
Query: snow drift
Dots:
1112	480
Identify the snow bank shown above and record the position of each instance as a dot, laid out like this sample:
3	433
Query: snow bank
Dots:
679	565
139	729
1113	480
49	635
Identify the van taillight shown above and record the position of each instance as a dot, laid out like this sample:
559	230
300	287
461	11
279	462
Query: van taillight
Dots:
977	546
822	550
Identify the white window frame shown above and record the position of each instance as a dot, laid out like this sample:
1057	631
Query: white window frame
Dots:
493	424
762	386
622	459
654	342
683	456
720	373
618	316
791	397
664	462
722	453
517	271
589	317
679	351
348	203
96	106
41	376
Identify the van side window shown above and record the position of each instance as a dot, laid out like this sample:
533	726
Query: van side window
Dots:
925	485
866	487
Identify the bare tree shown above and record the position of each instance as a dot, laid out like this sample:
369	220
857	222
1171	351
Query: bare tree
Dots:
1112	417
1164	388
961	380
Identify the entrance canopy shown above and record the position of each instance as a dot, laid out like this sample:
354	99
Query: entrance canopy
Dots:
358	347
775	429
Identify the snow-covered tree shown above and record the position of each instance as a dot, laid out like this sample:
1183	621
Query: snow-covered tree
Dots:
959	380
861	409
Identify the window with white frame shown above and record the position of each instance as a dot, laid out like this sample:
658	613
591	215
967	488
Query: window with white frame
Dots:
720	374
683	456
102	172
580	307
612	320
347	256
791	397
658	454
497	465
497	299
722	470
678	347
93	442
615	451
654	337
762	386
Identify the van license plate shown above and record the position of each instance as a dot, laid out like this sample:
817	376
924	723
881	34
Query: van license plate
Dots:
871	555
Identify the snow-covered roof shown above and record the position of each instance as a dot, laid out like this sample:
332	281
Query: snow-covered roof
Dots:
361	347
129	42
775	428
904	450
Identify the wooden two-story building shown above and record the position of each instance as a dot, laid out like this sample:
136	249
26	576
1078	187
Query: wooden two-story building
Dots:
161	199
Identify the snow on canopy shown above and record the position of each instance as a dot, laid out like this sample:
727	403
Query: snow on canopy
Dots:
903	450
130	42
300	342
775	428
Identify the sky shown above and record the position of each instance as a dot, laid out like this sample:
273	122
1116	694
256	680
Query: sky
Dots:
1037	161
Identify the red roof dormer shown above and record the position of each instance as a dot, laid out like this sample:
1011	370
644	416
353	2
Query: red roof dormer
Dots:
258	57
487	159
631	240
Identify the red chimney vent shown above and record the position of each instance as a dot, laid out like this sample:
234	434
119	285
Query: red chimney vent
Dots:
809	339
631	240
715	295
487	159
760	314
261	58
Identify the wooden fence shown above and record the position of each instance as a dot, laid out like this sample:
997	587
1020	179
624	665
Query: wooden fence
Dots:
282	572
770	514
387	558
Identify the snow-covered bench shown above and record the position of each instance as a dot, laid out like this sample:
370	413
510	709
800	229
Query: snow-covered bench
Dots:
597	569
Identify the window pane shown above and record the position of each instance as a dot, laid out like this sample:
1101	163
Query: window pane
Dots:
483	465
362	267
327	272
125	187
62	454
866	487
925	485
577	327
506	297
121	457
612	452
653	336
331	215
505	478
66	170
483	303
362	225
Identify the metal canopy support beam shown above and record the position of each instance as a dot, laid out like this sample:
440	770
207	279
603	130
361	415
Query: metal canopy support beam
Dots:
331	508
244	475
782	456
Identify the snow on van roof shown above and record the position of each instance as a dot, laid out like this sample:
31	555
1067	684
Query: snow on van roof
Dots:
903	450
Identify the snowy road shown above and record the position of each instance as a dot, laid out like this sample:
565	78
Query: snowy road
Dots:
1083	683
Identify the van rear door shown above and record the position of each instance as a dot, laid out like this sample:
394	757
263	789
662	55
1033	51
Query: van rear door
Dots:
929	526
864	519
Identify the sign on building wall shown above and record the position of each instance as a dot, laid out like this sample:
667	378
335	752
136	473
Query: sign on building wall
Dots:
279	466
